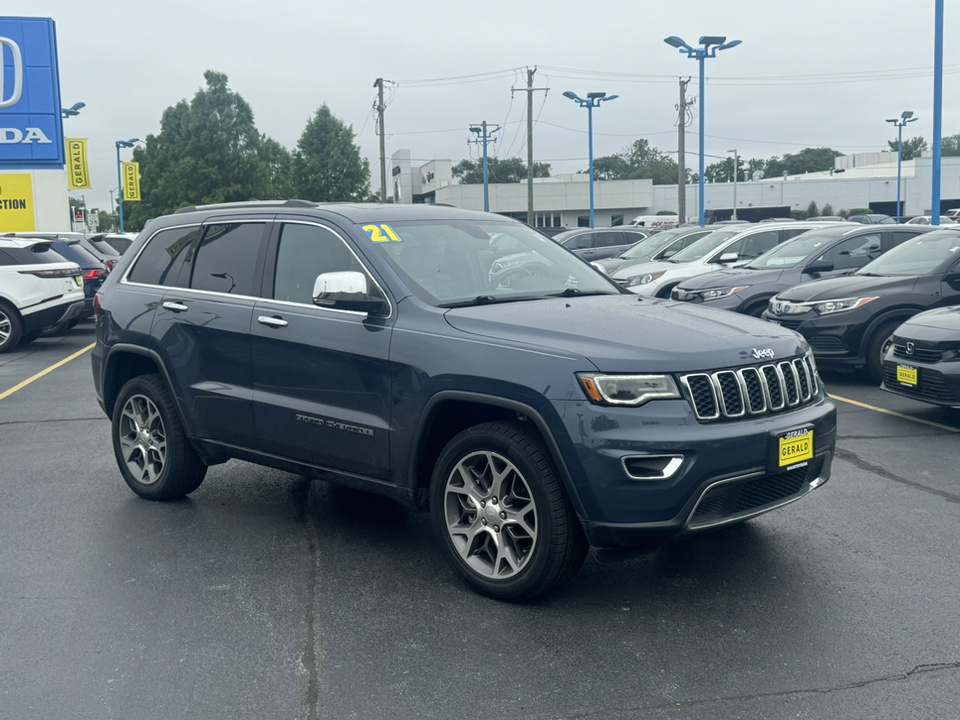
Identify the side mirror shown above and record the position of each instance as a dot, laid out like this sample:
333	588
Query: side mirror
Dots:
345	291
728	258
818	266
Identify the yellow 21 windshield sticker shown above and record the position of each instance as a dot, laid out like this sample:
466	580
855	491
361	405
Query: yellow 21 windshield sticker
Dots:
381	233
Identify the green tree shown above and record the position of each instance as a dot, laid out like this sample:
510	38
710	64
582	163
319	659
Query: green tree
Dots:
950	146
812	209
208	151
912	148
827	210
637	161
805	161
499	170
327	165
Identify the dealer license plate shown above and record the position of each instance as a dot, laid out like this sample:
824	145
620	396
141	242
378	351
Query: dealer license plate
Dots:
907	375
795	447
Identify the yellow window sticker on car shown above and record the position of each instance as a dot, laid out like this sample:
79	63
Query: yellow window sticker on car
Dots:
381	233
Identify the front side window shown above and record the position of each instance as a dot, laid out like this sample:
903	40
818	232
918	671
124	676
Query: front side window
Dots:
305	252
161	259
226	259
853	252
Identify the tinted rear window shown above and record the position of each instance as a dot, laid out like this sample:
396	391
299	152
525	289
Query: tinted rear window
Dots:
162	256
86	258
34	255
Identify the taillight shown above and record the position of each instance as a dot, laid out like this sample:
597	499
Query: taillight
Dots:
94	274
50	273
96	303
110	264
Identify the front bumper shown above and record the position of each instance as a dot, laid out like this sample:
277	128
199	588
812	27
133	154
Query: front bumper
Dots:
729	470
834	339
937	383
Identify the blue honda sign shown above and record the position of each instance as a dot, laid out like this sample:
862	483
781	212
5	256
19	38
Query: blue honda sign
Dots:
31	127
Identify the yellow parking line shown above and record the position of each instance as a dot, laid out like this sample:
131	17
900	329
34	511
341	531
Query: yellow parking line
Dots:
11	391
895	414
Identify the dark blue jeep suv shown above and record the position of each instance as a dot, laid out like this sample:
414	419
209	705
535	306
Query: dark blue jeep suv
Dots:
532	410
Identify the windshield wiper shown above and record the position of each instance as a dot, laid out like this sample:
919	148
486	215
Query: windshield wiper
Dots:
489	300
576	292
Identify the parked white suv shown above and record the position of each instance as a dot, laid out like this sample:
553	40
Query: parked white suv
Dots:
727	246
38	288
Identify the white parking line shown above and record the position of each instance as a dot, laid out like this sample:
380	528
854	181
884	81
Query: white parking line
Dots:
15	388
892	412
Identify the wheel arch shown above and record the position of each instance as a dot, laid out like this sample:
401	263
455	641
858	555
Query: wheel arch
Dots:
125	362
900	314
449	412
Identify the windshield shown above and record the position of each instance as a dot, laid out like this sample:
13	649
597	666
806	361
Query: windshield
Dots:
704	246
795	250
463	262
648	247
918	256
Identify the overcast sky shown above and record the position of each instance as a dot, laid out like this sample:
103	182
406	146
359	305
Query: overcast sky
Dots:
812	74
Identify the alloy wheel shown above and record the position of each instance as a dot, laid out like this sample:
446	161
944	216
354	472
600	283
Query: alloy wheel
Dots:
143	439
490	515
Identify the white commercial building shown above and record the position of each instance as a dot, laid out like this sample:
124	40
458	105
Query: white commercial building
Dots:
866	180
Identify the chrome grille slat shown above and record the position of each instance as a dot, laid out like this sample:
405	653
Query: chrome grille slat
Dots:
752	390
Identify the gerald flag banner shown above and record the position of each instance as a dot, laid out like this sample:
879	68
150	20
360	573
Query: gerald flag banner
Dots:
131	181
78	168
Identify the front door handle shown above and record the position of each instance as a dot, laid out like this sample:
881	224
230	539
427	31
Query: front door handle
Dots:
175	306
272	321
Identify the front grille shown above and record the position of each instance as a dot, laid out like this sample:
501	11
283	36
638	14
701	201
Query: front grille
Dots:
826	343
727	500
789	324
924	355
754	390
930	384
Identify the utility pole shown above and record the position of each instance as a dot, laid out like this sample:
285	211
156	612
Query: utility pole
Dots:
380	107
682	151
482	128
530	89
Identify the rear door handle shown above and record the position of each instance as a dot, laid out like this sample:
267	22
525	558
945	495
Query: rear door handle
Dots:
272	321
175	306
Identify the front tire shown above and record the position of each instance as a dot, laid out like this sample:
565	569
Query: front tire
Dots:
500	513
876	348
152	451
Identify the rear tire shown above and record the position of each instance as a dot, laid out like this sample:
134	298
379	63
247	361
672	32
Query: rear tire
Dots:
11	327
500	513
152	451
876	349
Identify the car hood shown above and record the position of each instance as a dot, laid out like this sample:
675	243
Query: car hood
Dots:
731	277
933	325
849	286
623	333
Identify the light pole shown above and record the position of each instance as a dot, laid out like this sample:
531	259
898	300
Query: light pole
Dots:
122	144
736	171
593	100
72	110
709	45
481	131
905	117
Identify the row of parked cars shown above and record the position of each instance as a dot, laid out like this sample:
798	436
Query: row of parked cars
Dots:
48	281
884	297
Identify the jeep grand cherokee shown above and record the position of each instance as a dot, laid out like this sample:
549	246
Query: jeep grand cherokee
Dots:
531	410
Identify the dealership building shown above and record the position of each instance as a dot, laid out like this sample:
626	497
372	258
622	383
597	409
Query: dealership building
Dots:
866	180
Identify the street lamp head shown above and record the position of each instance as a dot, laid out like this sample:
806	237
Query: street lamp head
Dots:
893	120
707	40
594	95
906	114
610	97
127	143
674	41
571	95
72	110
732	43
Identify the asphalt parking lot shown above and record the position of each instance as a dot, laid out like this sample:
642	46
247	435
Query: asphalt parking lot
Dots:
265	596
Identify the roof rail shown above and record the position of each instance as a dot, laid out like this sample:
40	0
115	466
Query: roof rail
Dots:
248	203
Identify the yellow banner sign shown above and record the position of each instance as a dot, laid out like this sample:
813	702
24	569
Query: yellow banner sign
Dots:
131	181
77	167
16	204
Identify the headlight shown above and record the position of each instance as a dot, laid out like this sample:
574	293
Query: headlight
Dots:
643	279
630	390
828	307
715	293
